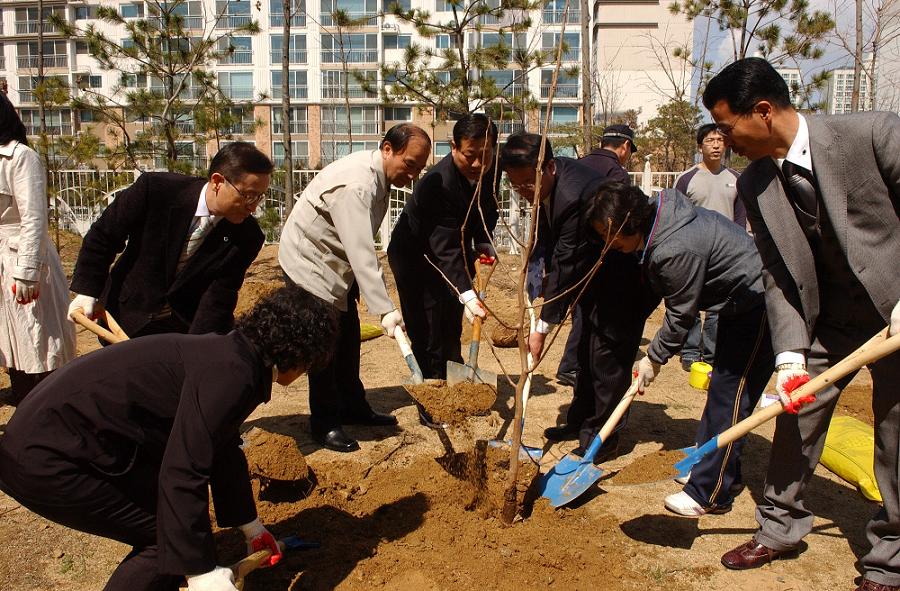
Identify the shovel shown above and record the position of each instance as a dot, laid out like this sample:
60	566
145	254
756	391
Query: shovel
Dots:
406	350
248	564
872	350
114	335
568	479
458	373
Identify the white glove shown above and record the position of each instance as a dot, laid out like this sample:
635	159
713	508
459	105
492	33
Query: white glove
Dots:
474	308
647	370
218	579
895	320
26	291
259	538
786	372
87	304
390	322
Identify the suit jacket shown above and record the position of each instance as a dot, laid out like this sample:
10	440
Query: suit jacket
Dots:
856	162
150	221
167	418
607	164
436	213
328	242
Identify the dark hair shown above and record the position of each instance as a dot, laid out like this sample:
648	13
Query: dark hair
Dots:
705	130
236	159
291	328
474	126
11	126
613	142
614	202
522	149
398	136
744	83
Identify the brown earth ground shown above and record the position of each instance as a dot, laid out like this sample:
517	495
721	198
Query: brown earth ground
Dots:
402	513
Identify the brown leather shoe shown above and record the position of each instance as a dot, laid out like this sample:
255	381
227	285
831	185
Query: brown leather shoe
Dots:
752	555
868	585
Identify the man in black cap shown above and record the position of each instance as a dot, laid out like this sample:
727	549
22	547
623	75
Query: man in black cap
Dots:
616	148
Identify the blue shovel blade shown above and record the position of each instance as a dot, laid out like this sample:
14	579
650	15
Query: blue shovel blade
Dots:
295	543
695	455
568	479
525	451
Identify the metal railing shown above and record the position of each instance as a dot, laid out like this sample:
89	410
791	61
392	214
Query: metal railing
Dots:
277	20
238	92
508	127
57	129
354	92
562	91
233	21
294	126
31	27
573	54
297	92
237	57
556	17
50	61
351	56
360	127
365	19
295	56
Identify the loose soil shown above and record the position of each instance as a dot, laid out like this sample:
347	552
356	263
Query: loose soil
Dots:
409	511
453	404
274	456
659	465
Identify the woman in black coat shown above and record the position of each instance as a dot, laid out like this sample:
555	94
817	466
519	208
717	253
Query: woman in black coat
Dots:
126	442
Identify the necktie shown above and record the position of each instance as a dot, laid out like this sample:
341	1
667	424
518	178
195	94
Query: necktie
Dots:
800	187
199	229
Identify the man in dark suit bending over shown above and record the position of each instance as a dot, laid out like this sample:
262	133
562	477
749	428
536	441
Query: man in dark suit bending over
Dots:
187	243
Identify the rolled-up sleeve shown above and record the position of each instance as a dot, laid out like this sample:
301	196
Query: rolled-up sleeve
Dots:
30	192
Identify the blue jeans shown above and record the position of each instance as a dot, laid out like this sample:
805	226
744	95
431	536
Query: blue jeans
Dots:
701	342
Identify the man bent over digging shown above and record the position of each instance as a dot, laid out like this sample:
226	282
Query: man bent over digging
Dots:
123	442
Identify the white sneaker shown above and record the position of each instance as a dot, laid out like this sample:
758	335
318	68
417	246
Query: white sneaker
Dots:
682	504
682	480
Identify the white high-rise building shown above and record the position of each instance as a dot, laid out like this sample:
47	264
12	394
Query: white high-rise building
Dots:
794	79
623	37
839	90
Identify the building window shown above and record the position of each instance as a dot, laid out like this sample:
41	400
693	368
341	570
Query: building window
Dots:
398	113
395	41
299	153
405	5
132	10
233	13
353	48
85	12
362	121
360	84
276	13
297	86
566	85
441	149
332	151
235	50
297	119
571	45
355	10
296	49
236	85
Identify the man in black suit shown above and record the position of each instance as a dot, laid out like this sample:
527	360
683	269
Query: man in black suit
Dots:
127	442
616	148
614	304
187	243
440	217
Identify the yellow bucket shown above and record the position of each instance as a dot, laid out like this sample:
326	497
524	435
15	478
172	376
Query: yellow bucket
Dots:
700	374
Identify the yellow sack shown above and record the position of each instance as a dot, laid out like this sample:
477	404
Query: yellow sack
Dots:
850	453
368	332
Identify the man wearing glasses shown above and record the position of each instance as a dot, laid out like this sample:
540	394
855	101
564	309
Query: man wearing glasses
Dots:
186	243
822	197
711	186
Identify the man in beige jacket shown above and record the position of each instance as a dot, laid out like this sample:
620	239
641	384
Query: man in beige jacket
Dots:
328	248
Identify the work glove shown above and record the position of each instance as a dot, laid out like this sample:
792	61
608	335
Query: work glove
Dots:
26	291
895	321
474	308
486	253
258	538
390	322
790	377
218	579
90	306
646	372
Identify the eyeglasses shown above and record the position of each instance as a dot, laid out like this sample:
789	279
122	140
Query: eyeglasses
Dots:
249	198
711	141
726	129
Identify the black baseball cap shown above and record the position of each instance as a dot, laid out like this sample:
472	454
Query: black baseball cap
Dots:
620	131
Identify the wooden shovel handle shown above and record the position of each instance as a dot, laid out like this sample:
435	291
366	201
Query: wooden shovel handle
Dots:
248	564
111	337
618	412
872	350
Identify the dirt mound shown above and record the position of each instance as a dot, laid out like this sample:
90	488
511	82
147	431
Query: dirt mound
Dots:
453	404
504	337
653	467
274	456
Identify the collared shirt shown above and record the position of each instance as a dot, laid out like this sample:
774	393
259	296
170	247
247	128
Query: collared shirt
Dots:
203	208
799	153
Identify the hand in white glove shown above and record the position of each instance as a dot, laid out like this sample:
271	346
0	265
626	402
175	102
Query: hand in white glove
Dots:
26	291
390	322
474	308
89	305
789	379
895	320
258	538
218	579
646	372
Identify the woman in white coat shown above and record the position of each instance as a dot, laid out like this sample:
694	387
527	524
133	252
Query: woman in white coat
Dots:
35	337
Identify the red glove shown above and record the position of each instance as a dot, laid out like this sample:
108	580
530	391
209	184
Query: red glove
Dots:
258	538
793	406
485	259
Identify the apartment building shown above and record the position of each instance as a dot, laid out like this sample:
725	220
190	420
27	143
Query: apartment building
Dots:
320	89
839	90
794	79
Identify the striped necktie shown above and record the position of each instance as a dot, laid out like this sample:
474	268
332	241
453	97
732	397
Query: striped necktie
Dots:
199	229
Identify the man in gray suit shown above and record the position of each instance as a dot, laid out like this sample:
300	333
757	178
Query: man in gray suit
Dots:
328	248
823	198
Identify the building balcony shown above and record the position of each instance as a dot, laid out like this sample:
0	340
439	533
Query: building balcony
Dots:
244	128
50	61
508	127
237	92
277	20
573	54
354	92
556	17
31	28
352	56
359	19
58	129
188	22
185	126
297	92
295	56
357	127
295	127
27	96
563	91
233	21
238	57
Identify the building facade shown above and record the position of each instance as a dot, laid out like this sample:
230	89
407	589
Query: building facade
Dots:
839	90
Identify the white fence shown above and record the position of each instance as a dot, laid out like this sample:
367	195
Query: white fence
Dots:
82	195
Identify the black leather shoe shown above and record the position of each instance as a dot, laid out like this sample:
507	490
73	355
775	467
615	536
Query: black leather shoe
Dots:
371	418
336	440
567	378
564	432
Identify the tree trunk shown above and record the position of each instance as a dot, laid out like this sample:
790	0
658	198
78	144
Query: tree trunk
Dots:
286	110
586	60
857	58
